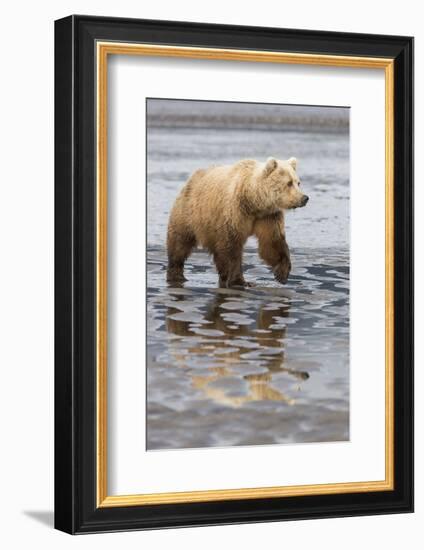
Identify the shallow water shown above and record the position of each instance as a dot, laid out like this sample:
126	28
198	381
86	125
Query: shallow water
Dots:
262	365
268	364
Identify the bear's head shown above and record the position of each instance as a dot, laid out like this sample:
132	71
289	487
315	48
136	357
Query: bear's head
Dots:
282	183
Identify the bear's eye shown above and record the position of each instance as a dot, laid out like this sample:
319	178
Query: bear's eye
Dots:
290	184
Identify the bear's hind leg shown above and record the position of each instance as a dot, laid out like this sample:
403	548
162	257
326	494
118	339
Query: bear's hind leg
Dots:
180	244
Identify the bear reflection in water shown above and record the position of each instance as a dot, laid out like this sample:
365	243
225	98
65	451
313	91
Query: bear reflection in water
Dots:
227	350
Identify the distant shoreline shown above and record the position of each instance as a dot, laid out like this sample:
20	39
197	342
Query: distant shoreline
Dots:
256	116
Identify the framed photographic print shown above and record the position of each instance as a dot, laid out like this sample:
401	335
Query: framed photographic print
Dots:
233	265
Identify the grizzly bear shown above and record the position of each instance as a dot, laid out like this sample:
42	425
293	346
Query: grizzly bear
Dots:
221	206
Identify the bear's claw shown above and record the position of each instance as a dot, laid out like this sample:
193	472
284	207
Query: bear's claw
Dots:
249	285
281	272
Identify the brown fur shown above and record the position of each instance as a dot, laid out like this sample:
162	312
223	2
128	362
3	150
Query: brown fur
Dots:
220	207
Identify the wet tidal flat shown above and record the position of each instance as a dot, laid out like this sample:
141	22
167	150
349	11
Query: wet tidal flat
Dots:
262	365
253	366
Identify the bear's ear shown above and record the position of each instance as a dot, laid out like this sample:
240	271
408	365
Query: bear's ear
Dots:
270	166
293	162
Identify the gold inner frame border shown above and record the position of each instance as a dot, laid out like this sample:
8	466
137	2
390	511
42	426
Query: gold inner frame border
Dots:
103	50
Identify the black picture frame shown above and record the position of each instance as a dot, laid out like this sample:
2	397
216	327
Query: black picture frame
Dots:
76	510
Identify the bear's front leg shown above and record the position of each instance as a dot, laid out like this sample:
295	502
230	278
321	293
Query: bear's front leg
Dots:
273	248
228	261
282	269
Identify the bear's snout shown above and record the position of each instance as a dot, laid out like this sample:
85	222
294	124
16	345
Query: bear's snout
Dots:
304	200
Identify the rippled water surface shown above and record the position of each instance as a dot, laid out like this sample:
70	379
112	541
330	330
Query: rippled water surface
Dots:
267	364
